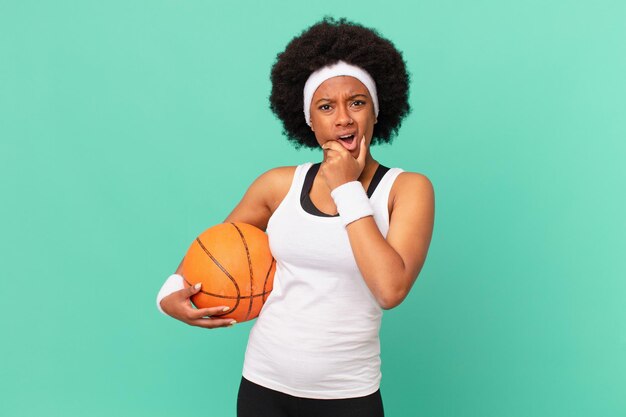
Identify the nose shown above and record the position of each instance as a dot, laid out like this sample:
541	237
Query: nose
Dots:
343	116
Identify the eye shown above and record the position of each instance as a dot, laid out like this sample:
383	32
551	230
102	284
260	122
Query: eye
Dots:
324	107
358	103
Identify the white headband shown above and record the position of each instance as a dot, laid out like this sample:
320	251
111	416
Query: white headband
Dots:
335	70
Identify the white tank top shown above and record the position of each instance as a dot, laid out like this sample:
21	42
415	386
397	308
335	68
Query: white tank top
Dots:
317	333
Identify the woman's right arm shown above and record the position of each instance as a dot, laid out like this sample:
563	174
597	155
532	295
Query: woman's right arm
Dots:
173	300
255	208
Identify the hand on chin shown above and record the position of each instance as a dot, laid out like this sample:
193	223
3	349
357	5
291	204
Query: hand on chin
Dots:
340	165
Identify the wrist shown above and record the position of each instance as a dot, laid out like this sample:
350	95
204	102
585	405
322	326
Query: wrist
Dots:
352	202
173	283
333	184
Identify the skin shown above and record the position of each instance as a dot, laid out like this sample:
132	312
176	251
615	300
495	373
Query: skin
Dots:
389	266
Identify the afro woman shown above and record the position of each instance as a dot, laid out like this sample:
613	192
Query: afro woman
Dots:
349	235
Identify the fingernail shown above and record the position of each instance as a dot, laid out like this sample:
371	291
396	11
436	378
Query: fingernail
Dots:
232	322
198	285
226	309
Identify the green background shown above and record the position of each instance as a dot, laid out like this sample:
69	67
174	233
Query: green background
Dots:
128	127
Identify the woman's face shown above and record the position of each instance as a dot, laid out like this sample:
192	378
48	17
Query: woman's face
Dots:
342	110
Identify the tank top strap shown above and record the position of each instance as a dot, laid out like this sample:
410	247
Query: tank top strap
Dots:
380	198
379	190
298	181
309	177
381	193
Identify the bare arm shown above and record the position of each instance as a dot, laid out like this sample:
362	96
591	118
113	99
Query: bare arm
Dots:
256	207
391	266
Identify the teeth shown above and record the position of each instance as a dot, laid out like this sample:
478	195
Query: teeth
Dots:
345	136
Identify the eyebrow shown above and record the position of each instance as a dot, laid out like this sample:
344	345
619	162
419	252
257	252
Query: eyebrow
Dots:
349	98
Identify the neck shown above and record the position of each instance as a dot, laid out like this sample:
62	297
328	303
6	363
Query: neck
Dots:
368	171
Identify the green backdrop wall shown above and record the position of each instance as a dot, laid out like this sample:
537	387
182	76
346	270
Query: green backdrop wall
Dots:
128	127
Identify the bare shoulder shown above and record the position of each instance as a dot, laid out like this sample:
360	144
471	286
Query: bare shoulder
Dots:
275	184
412	212
263	197
279	176
412	178
412	186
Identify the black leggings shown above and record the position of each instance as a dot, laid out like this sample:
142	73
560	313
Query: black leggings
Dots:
256	401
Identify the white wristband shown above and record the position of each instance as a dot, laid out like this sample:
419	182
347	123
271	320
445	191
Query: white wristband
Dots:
352	202
173	283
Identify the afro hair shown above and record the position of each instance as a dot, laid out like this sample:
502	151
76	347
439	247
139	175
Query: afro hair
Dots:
325	43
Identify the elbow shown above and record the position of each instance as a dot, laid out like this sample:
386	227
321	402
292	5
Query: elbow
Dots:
392	296
392	299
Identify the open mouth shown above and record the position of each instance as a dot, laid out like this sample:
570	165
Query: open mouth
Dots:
347	139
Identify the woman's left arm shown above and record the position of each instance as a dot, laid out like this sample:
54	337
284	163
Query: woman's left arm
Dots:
391	266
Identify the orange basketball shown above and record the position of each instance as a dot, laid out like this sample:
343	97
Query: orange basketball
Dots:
235	266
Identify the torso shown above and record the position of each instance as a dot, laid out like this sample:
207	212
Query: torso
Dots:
317	335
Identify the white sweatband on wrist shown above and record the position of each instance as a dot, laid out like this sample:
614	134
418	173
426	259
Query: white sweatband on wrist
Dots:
340	68
173	283
352	202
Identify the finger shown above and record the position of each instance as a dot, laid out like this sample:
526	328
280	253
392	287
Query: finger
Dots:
331	156
209	312
325	150
334	150
189	291
362	152
212	323
333	145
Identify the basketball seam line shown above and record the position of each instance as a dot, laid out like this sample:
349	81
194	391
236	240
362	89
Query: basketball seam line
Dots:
261	294
266	278
245	244
225	272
